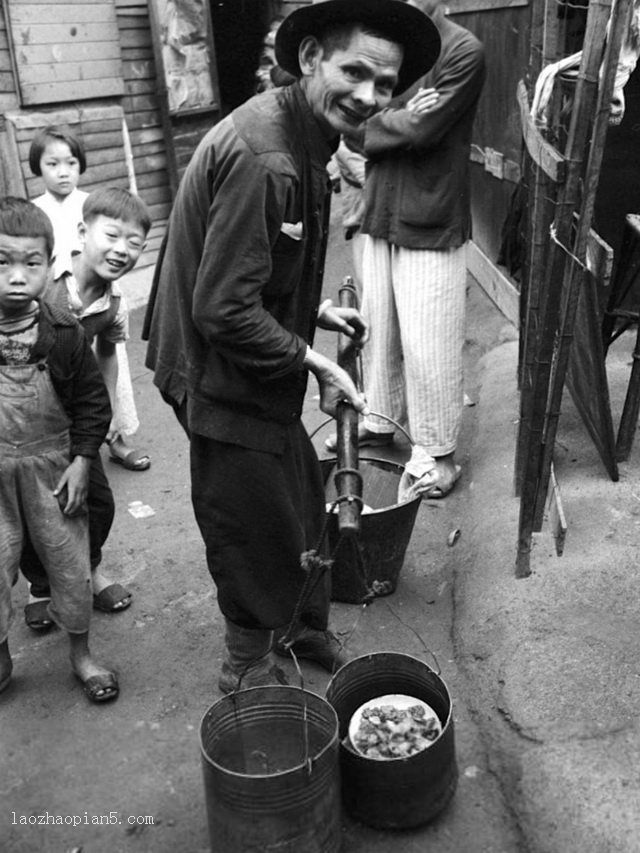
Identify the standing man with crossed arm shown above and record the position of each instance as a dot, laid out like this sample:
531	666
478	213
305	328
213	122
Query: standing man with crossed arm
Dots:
417	220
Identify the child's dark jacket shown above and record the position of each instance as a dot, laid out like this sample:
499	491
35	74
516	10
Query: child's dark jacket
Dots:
75	377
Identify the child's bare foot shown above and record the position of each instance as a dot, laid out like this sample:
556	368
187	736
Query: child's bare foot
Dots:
6	665
99	683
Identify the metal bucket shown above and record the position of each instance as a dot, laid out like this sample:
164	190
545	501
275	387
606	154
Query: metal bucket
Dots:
403	792
271	772
384	532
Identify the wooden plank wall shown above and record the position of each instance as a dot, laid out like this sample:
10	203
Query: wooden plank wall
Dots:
99	128
188	131
8	96
10	183
65	50
504	32
143	117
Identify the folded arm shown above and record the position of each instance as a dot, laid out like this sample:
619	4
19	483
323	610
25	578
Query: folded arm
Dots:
457	81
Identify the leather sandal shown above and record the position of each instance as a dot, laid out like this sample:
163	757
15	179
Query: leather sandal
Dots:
134	460
112	599
36	616
100	688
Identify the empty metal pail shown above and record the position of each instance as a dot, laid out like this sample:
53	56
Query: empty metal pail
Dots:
385	532
403	792
271	772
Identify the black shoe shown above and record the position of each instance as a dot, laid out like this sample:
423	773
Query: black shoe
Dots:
322	647
265	676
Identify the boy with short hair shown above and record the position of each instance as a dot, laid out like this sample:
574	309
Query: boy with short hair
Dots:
54	414
112	237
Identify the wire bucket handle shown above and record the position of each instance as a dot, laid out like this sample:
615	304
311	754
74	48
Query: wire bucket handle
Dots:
398	426
437	670
416	634
307	761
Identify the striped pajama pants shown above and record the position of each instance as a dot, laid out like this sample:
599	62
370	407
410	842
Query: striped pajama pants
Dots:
414	302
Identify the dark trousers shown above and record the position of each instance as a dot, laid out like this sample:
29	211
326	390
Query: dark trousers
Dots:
101	512
257	513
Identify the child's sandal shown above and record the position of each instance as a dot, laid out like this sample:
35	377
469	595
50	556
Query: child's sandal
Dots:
36	616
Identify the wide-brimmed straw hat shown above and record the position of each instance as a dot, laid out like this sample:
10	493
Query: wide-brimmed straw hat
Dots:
401	22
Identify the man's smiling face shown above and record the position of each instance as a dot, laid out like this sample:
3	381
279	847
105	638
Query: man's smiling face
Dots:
353	82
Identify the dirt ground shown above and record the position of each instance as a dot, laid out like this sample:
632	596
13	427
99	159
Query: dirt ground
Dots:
128	774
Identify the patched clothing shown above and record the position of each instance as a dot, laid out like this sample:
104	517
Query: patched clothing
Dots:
41	430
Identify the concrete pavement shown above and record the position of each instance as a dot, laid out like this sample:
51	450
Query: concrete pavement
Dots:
552	661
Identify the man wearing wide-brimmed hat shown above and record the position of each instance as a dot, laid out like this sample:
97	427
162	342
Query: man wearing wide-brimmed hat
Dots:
235	302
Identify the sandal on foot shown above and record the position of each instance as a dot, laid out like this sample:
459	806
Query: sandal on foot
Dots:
134	460
36	616
442	491
112	599
100	688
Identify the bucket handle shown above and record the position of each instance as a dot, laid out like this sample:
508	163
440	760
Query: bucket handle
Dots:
402	429
417	635
438	669
308	761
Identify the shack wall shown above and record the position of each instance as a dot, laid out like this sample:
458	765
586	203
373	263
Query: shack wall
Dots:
122	131
497	135
65	51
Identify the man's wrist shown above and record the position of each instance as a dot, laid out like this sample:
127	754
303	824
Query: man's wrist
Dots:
82	460
323	307
313	360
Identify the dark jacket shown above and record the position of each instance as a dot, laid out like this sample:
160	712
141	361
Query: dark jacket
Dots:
75	377
234	298
93	324
417	187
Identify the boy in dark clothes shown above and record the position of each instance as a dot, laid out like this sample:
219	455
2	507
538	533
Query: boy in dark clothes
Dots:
54	415
111	237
